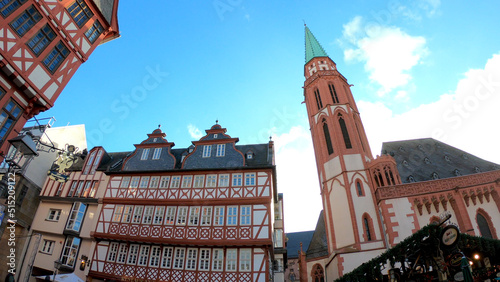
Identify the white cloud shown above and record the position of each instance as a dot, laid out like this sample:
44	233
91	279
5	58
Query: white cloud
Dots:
388	52
194	132
465	119
298	179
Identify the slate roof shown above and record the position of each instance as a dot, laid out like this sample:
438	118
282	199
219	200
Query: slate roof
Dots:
422	159
106	8
293	242
318	246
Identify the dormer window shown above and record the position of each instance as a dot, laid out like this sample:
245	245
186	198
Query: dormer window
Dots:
411	178
145	154
215	135
156	153
249	155
477	169
207	151
427	160
221	150
434	176
456	172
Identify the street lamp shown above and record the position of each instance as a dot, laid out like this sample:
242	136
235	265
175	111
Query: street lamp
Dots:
57	265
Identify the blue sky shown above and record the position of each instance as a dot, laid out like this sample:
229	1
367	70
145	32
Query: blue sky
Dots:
426	68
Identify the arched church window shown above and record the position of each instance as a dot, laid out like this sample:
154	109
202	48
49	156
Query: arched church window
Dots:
367	227
345	133
333	93
318	275
484	227
359	188
318	99
328	140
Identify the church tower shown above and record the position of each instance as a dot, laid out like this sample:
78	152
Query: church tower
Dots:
344	161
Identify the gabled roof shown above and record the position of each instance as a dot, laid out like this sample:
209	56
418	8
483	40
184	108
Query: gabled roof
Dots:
293	242
313	48
318	246
421	159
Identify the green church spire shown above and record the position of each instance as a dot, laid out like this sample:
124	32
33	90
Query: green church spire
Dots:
313	48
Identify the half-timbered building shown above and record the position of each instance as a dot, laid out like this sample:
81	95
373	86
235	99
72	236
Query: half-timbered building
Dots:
42	44
202	213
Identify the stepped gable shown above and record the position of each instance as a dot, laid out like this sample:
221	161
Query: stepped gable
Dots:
429	159
144	158
319	245
214	150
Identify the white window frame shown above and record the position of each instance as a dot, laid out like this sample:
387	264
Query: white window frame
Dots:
125	182
223	180
136	218
211	180
147	218
166	259
122	253
159	213
117	214
182	213
76	216
194	216
154	257
134	183
217	259
187	180
145	154
154	182
231	260
143	255
245	264
144	182
232	215
207	151
48	247
237	179
219	214
245	215
191	259
156	154
198	181
164	181
70	250
176	181
206	216
128	212
250	179
179	257
204	261
112	252
170	215
132	254
54	215
221	150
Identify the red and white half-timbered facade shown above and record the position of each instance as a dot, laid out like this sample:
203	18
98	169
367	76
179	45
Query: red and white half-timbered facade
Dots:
42	44
205	213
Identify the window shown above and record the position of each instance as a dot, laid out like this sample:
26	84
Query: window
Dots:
127	214
154	182
198	181
86	189
9	6
328	141
231	258
96	162
135	182
317	273
218	260
246	213
26	20
194	216
181	215
484	226
60	187
89	162
79	189
80	12
137	214
154	261
318	99
212	180
192	257
245	259
122	253
164	181
249	179
132	254
156	153
113	249
117	215
176	180
366	225
55	58
47	247
125	182
70	250
76	217
207	151
345	133
54	215
144	182
221	150
232	215
186	181
206	216
170	216
41	40
219	216
333	93
223	180
180	253
160	211
237	179
10	113
278	238
204	263
166	259
148	215
145	154
359	189
143	256
94	31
